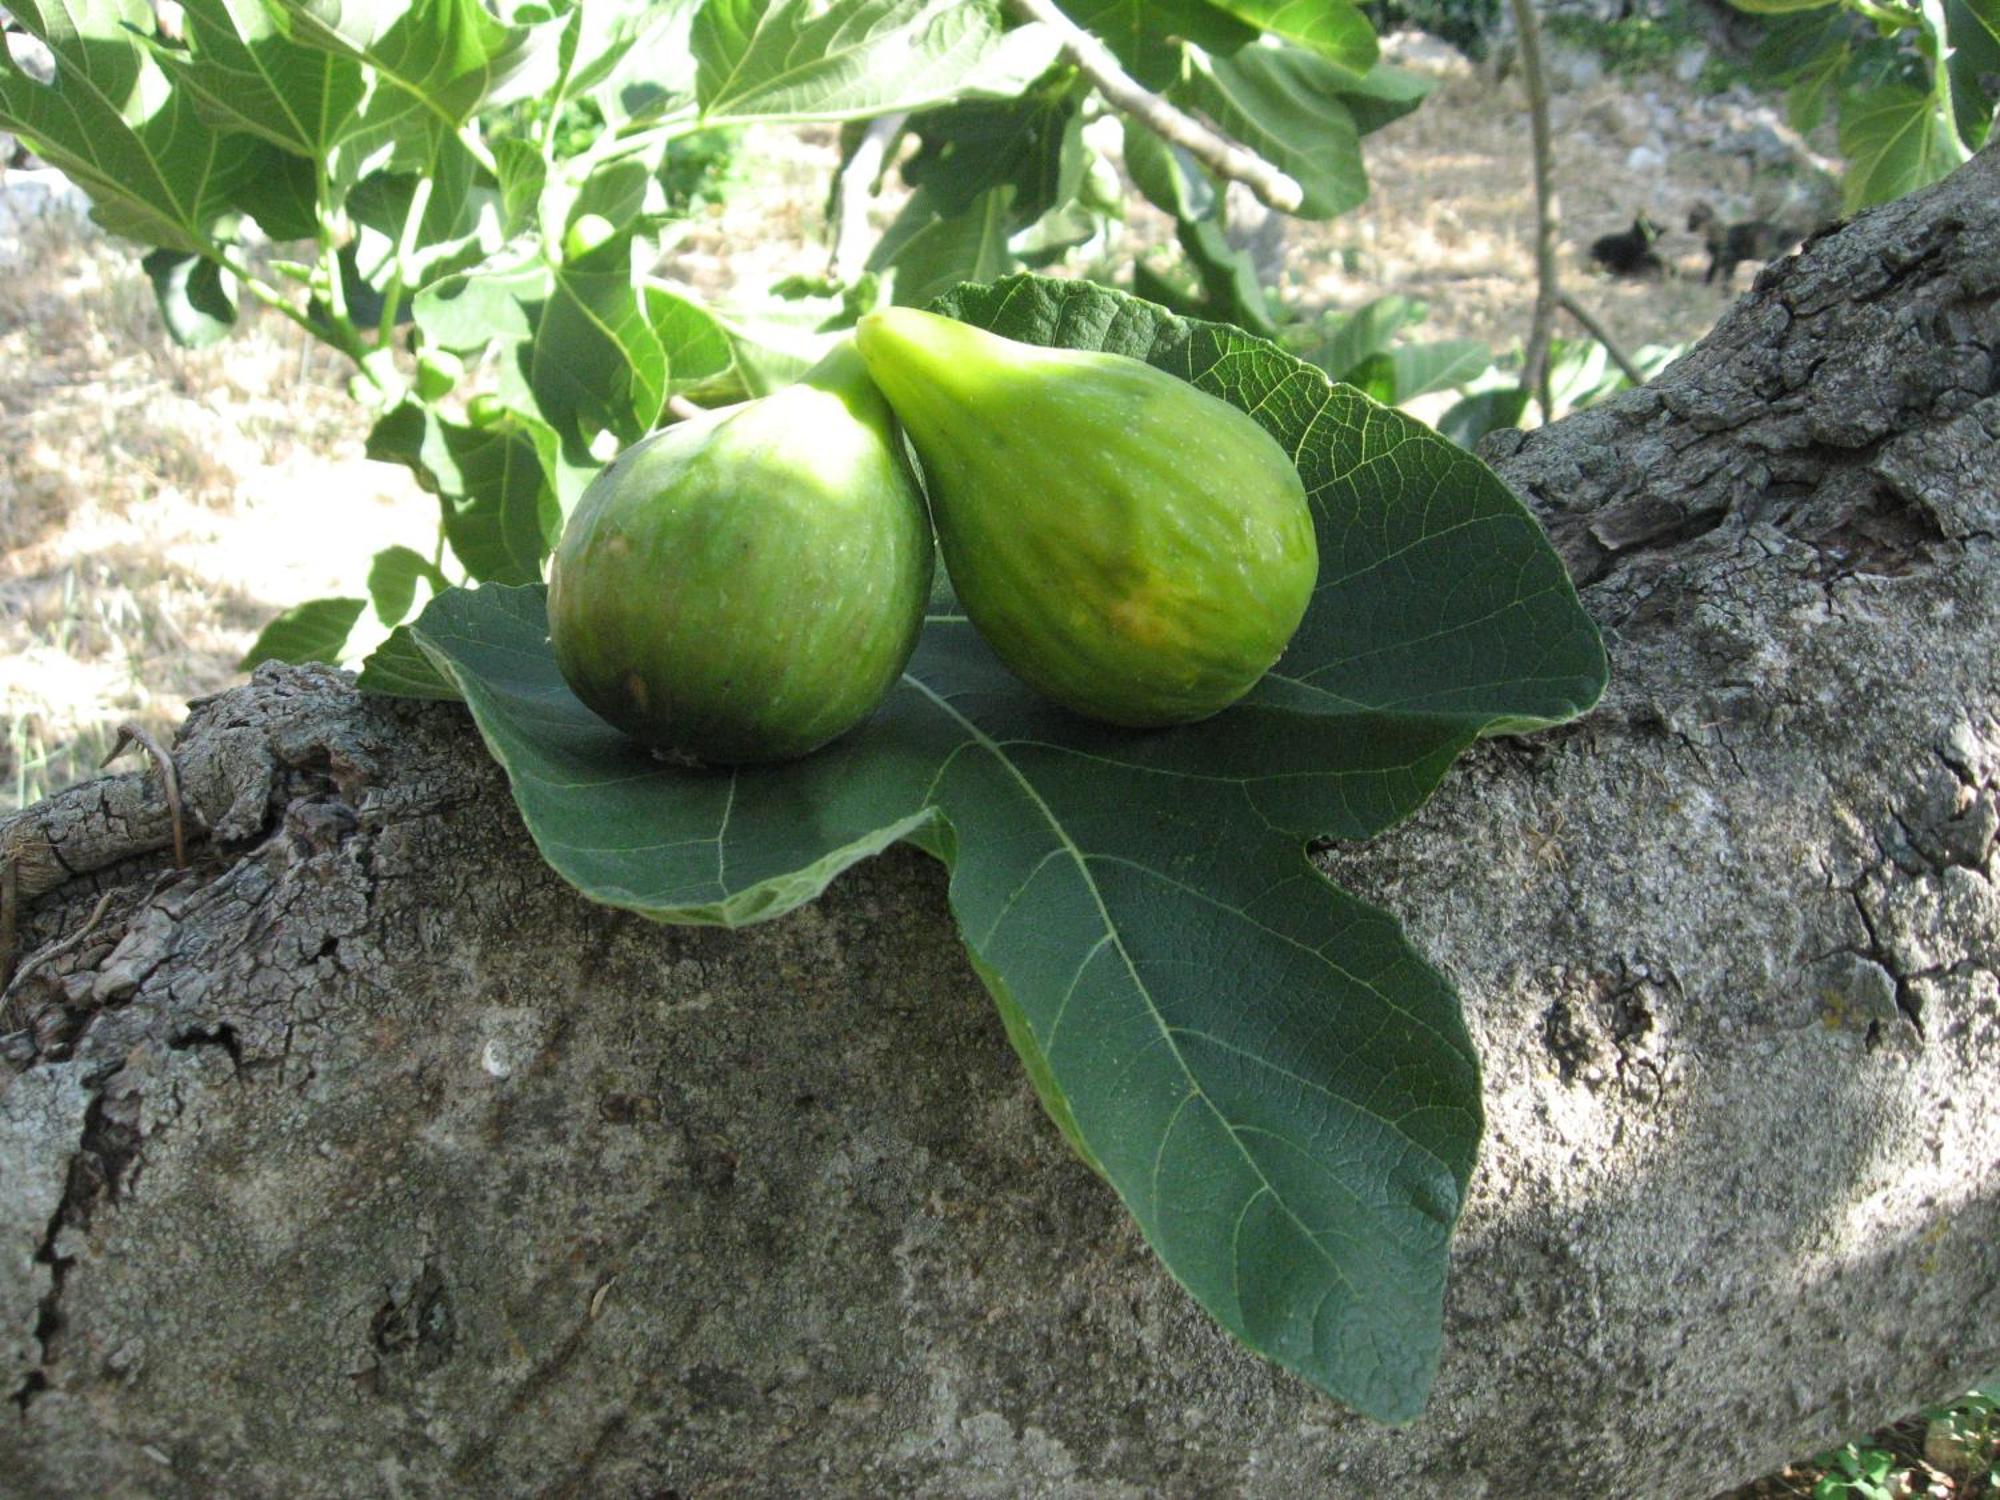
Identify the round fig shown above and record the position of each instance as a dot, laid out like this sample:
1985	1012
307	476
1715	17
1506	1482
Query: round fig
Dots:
1132	546
748	584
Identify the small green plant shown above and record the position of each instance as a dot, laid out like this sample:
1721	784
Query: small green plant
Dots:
1951	1449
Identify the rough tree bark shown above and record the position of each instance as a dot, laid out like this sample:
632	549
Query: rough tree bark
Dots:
365	1158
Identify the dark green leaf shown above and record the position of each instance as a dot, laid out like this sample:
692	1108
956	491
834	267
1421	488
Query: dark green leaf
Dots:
1335	29
398	668
281	192
197	297
1973	29
1381	96
1281	1092
932	252
1168	178
314	631
1472	417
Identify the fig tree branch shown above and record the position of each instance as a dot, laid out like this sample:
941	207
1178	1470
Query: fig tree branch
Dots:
856	184
1598	331
1170	123
1535	362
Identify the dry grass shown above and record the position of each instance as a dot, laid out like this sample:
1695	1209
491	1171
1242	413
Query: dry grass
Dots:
157	505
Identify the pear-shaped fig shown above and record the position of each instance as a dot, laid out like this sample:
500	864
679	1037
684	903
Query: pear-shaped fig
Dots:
748	584
1128	544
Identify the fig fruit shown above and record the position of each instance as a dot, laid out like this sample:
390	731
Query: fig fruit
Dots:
1133	547
747	585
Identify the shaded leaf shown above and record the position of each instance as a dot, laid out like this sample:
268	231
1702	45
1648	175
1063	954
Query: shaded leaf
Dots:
398	668
1147	35
577	350
197	297
1473	416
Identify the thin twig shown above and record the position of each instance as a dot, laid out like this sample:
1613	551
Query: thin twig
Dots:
56	950
852	191
1603	336
1218	153
684	410
130	732
1535	363
10	908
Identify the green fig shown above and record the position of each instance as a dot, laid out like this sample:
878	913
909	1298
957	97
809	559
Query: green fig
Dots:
1133	547
748	584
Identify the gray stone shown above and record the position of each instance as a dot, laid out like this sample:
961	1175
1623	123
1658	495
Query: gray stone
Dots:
364	1158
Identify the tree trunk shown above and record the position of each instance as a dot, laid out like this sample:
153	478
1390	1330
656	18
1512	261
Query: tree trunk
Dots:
365	1158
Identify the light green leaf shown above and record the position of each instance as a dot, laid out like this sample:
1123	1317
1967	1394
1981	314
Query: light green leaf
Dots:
1895	140
1780	7
448	56
247	75
1335	29
1286	105
697	347
1369	330
393	578
500	512
1281	1092
314	631
576	348
850	59
156	172
1395	376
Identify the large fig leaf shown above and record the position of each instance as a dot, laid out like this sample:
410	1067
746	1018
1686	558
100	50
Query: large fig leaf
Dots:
155	171
1279	1089
849	59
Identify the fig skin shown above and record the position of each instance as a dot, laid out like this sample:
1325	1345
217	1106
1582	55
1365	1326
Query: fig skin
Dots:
747	585
1133	547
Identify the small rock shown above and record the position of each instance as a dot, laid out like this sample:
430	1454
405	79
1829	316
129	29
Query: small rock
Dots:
1645	159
